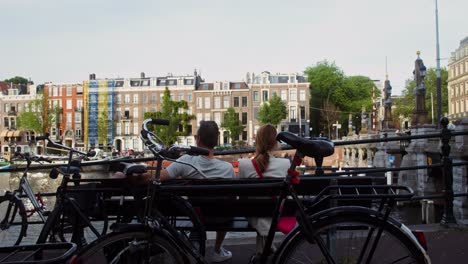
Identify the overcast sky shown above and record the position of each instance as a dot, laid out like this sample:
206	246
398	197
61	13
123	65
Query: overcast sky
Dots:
65	40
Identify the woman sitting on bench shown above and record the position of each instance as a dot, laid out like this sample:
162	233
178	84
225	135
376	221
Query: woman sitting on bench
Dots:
263	165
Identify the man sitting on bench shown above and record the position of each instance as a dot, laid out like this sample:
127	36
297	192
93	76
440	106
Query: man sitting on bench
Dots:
207	137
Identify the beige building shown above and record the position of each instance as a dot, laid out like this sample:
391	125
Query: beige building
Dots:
14	100
458	82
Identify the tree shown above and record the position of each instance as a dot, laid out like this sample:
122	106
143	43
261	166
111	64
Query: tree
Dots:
17	80
232	124
178	121
405	105
273	112
324	78
334	96
38	117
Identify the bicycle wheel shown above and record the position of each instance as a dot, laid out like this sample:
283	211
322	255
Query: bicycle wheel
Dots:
69	226
13	221
348	238
184	218
130	247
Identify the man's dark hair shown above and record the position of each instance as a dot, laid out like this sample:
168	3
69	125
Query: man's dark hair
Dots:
208	133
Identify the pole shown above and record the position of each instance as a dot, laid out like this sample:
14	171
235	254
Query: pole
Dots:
438	80
432	107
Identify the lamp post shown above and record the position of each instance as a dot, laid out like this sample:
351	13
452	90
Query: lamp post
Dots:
438	80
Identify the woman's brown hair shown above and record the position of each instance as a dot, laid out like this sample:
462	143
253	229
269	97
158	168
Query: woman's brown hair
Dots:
265	141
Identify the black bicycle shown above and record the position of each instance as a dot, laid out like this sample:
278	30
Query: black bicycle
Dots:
342	234
13	213
69	221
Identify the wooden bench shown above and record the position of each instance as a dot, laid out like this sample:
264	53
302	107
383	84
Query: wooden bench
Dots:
236	199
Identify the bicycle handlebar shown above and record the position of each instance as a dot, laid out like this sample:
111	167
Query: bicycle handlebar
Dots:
55	144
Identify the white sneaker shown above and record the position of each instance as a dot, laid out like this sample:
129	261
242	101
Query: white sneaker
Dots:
223	255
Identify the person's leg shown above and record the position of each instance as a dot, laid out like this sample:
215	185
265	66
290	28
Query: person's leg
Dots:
220	235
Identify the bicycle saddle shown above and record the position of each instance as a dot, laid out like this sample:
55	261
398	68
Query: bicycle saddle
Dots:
313	147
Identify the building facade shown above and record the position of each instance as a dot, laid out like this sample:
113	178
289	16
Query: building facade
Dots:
292	88
14	100
458	82
108	113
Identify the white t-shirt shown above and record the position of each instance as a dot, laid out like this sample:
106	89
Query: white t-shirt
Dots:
211	167
277	168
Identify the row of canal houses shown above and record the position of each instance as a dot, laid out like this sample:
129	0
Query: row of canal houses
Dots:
108	113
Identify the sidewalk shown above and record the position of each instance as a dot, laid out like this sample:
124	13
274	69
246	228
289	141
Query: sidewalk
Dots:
445	245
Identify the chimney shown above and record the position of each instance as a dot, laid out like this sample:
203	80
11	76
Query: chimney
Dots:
142	75
92	76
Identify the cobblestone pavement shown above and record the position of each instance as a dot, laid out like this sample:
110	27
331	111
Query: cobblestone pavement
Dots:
445	245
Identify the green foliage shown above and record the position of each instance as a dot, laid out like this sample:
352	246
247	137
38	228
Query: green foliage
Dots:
17	80
178	122
404	106
273	111
37	116
334	96
103	120
232	124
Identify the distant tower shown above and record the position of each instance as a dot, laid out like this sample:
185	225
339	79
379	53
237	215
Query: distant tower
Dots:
247	78
420	112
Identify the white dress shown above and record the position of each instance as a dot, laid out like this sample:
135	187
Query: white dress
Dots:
277	168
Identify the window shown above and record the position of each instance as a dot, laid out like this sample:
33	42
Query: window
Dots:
135	98
207	116
244	135
127	128
154	98
127	98
255	96
79	90
217	102
188	81
190	110
68	120
264	96
69	90
145	83
244	118
217	118
135	112
302	95
284	95
199	102
78	133
207	103
226	100
180	97
292	114
189	97
78	117
144	98
236	101
237	86
302	112
135	128
293	95
118	99
69	104
244	101
199	117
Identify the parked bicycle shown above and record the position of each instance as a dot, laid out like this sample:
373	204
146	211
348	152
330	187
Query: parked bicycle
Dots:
342	234
68	221
13	213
